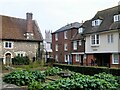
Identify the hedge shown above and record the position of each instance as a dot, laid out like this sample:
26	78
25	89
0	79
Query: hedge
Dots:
88	70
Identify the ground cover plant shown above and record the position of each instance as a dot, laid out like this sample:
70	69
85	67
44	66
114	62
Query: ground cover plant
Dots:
35	80
77	81
23	77
52	71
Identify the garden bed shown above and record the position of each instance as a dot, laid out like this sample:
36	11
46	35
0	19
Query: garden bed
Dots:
52	78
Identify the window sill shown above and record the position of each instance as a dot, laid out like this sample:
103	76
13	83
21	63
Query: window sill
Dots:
96	45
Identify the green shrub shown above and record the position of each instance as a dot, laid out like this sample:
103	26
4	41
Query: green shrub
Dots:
23	77
52	71
20	60
88	70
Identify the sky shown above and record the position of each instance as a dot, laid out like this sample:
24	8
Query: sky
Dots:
54	14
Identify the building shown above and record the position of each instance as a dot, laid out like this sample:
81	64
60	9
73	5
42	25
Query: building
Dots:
102	35
78	47
61	43
48	44
20	37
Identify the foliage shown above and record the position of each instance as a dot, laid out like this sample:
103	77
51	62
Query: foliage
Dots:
20	60
23	77
88	70
52	71
82	82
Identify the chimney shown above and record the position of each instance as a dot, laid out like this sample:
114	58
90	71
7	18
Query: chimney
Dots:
29	23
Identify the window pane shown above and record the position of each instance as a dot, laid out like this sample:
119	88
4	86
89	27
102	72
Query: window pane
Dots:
97	39
75	45
116	58
6	44
93	39
108	38
111	38
10	44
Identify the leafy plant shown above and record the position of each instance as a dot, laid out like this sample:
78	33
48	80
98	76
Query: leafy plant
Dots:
23	77
81	82
20	60
52	71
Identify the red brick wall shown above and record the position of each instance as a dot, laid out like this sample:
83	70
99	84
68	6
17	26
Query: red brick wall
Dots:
61	41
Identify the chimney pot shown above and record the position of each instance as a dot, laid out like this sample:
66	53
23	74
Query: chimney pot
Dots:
29	16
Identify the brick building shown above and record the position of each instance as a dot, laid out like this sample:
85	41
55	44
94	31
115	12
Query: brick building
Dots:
61	42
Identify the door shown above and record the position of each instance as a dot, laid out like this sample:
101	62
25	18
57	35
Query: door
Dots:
8	58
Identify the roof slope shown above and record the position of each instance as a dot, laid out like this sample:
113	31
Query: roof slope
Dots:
107	21
68	27
15	28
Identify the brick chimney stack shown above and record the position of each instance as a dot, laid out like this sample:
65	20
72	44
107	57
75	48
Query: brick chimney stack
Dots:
29	22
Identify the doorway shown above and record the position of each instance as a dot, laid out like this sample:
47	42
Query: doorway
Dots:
8	59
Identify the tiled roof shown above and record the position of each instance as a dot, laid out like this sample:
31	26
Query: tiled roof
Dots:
68	27
107	21
15	29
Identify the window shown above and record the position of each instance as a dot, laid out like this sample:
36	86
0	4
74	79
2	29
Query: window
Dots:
96	22
95	39
66	58
110	38
20	53
56	57
56	47
65	47
115	58
116	17
56	37
65	35
80	30
80	42
75	45
77	58
8	44
119	35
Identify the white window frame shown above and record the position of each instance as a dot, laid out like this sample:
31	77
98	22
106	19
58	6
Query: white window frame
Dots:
80	30
113	58
56	47
116	17
110	38
96	22
65	35
56	57
77	57
80	42
74	45
56	36
8	46
65	46
20	53
66	57
95	40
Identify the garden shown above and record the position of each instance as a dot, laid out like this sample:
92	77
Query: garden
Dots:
55	78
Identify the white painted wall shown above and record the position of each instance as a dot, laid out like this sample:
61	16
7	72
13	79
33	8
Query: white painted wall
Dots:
104	46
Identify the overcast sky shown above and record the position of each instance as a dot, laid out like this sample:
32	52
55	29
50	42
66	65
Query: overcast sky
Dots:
53	14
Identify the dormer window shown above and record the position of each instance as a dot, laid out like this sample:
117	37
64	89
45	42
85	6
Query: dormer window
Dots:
80	30
96	22
116	18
